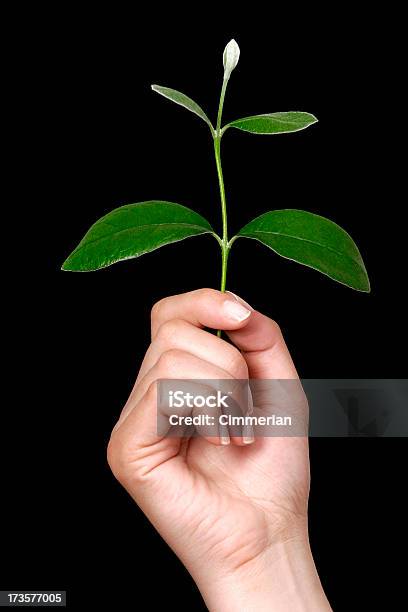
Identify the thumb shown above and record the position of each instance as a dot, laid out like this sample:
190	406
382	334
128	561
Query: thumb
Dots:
263	347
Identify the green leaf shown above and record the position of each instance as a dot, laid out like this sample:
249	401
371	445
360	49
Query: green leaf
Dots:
183	100
313	241
274	123
132	230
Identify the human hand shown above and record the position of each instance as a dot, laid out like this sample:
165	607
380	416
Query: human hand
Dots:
235	514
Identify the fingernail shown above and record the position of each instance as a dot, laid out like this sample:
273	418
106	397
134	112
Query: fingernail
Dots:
250	408
248	434
224	435
240	300
235	311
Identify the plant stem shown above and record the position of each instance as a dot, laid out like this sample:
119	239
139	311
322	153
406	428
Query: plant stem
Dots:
217	150
224	244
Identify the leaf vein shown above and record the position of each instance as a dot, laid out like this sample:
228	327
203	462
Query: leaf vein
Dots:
129	229
314	242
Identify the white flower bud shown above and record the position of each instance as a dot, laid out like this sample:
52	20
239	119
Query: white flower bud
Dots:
230	58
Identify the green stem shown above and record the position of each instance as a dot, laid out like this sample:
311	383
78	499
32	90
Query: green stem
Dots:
220	107
217	150
224	244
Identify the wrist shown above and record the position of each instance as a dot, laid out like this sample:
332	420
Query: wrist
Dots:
283	578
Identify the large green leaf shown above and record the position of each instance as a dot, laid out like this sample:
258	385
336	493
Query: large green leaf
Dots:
183	100
274	123
313	241
132	230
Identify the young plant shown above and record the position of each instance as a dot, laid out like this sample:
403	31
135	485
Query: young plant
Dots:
136	229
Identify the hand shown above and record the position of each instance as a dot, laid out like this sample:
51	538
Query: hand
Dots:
235	514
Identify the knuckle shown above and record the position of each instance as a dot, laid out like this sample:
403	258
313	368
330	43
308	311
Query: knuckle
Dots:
116	457
169	330
125	463
168	360
276	330
126	454
157	308
151	393
274	338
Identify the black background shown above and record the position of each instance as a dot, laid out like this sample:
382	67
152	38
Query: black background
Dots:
90	135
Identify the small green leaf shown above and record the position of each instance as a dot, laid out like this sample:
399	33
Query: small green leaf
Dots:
274	123
132	230
183	100
313	241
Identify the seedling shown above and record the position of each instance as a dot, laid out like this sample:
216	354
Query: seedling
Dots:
136	229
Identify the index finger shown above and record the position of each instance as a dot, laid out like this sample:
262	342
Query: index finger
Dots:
203	308
259	337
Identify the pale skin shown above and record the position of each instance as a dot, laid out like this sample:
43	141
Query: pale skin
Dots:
233	510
